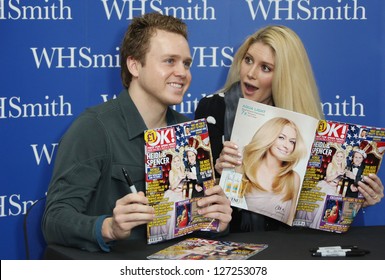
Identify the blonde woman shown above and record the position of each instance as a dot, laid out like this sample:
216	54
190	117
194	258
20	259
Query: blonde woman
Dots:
336	168
269	183
177	174
271	67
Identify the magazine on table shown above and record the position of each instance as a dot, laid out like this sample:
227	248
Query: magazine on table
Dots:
300	170
205	249
179	167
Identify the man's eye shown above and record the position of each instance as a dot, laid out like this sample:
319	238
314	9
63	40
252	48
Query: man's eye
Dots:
170	60
187	64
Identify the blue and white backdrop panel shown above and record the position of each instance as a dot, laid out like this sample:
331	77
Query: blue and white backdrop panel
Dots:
58	57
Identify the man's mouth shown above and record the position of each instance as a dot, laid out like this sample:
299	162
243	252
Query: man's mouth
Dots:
176	85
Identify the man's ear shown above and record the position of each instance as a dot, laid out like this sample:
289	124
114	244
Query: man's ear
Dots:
133	66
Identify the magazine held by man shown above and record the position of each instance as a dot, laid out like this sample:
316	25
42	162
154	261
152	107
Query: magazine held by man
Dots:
179	167
205	249
300	170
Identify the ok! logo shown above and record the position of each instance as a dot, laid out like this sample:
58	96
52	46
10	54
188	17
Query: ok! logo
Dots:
330	130
163	138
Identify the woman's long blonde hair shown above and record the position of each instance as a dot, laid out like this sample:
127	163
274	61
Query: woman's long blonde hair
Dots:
294	87
255	152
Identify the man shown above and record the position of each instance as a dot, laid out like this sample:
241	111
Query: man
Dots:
87	202
364	133
193	172
354	173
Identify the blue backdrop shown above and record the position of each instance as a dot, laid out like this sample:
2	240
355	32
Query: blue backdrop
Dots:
60	56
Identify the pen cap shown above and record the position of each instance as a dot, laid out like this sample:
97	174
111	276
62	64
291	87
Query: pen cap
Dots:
128	179
129	182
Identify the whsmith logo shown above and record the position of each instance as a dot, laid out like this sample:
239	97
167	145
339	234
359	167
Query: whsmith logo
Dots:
14	108
128	9
41	10
306	10
74	57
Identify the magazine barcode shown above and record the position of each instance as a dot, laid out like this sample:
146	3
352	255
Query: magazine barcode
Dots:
299	223
155	239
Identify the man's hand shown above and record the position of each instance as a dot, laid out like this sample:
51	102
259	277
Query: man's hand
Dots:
216	205
191	175
130	211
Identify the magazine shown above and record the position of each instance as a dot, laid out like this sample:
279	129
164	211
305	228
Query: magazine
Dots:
300	170
205	249
179	167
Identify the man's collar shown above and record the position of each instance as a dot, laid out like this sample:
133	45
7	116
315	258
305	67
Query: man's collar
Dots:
134	121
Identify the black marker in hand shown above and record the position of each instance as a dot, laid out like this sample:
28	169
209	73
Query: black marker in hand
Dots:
129	182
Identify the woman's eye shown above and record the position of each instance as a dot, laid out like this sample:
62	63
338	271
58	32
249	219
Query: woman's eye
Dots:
248	60
266	68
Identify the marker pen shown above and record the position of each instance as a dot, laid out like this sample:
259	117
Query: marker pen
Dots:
353	253
317	249
329	251
129	182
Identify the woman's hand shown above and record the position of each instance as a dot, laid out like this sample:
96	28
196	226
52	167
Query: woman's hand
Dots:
372	189
230	157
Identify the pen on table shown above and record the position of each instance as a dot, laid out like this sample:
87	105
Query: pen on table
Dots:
129	182
330	251
318	249
353	253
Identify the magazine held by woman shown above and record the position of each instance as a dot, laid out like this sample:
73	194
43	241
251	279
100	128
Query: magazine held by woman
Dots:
300	170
